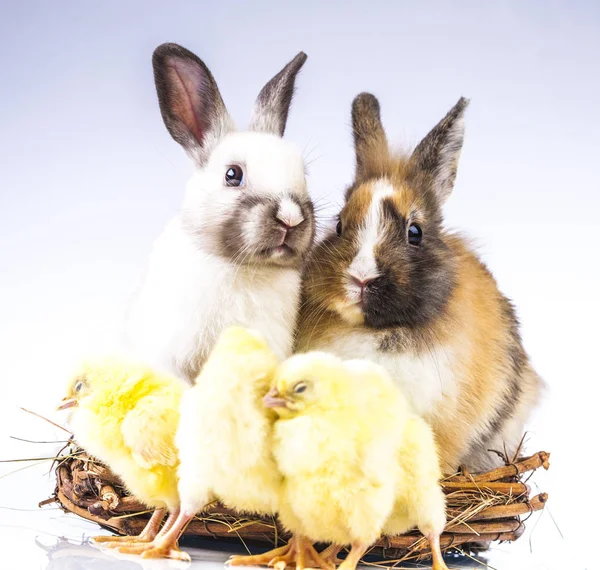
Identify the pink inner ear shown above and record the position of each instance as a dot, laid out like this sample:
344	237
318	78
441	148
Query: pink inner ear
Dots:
188	82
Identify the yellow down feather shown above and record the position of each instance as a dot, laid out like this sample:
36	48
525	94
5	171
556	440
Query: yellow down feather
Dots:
356	462
127	416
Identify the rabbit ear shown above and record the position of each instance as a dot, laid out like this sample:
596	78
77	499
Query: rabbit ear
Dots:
273	102
189	99
370	142
438	153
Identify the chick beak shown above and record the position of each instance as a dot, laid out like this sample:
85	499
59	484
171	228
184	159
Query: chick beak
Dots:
273	399
67	403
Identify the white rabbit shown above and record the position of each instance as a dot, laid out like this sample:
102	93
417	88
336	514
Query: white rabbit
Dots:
233	255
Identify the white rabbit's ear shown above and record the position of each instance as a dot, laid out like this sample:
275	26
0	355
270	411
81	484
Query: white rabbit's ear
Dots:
438	153
190	102
273	102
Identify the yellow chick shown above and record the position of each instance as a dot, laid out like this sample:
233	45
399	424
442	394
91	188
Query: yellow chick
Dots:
355	461
127	416
225	432
420	501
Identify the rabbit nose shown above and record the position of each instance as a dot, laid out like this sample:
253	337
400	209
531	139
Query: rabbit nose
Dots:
289	214
362	278
285	224
361	282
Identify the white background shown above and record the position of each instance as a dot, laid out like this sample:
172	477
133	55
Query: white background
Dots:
89	177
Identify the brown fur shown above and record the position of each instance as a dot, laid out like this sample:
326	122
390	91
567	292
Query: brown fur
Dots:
493	386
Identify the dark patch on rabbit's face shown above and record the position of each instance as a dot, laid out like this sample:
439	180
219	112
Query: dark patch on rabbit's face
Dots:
268	230
371	274
415	281
249	204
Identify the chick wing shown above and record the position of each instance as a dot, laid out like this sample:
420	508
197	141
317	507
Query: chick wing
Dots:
149	431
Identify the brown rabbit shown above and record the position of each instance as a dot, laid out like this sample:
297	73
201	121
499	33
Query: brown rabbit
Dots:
393	286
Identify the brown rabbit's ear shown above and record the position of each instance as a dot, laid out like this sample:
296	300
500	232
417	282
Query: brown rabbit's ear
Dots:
438	153
189	99
370	142
273	102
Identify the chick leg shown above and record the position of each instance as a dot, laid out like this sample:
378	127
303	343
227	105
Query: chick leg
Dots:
307	556
169	522
436	553
165	546
139	548
147	535
330	554
354	556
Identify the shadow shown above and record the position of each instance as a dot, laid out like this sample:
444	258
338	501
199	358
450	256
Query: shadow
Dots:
221	548
65	554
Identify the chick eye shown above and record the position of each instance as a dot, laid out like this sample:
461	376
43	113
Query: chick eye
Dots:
415	234
338	228
300	387
78	386
234	176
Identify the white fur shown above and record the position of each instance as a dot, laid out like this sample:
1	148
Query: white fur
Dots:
272	168
190	293
364	265
424	379
289	213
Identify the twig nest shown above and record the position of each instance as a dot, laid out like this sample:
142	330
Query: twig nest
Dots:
482	508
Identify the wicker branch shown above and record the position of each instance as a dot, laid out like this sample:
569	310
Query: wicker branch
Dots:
482	508
536	503
540	459
516	489
414	547
507	525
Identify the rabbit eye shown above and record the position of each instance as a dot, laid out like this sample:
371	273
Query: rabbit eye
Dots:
415	234
234	176
338	228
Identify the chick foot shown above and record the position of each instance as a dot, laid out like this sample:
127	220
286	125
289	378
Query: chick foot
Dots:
141	548
302	554
118	541
264	559
288	558
167	551
156	549
436	553
165	544
147	535
149	545
298	552
134	548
